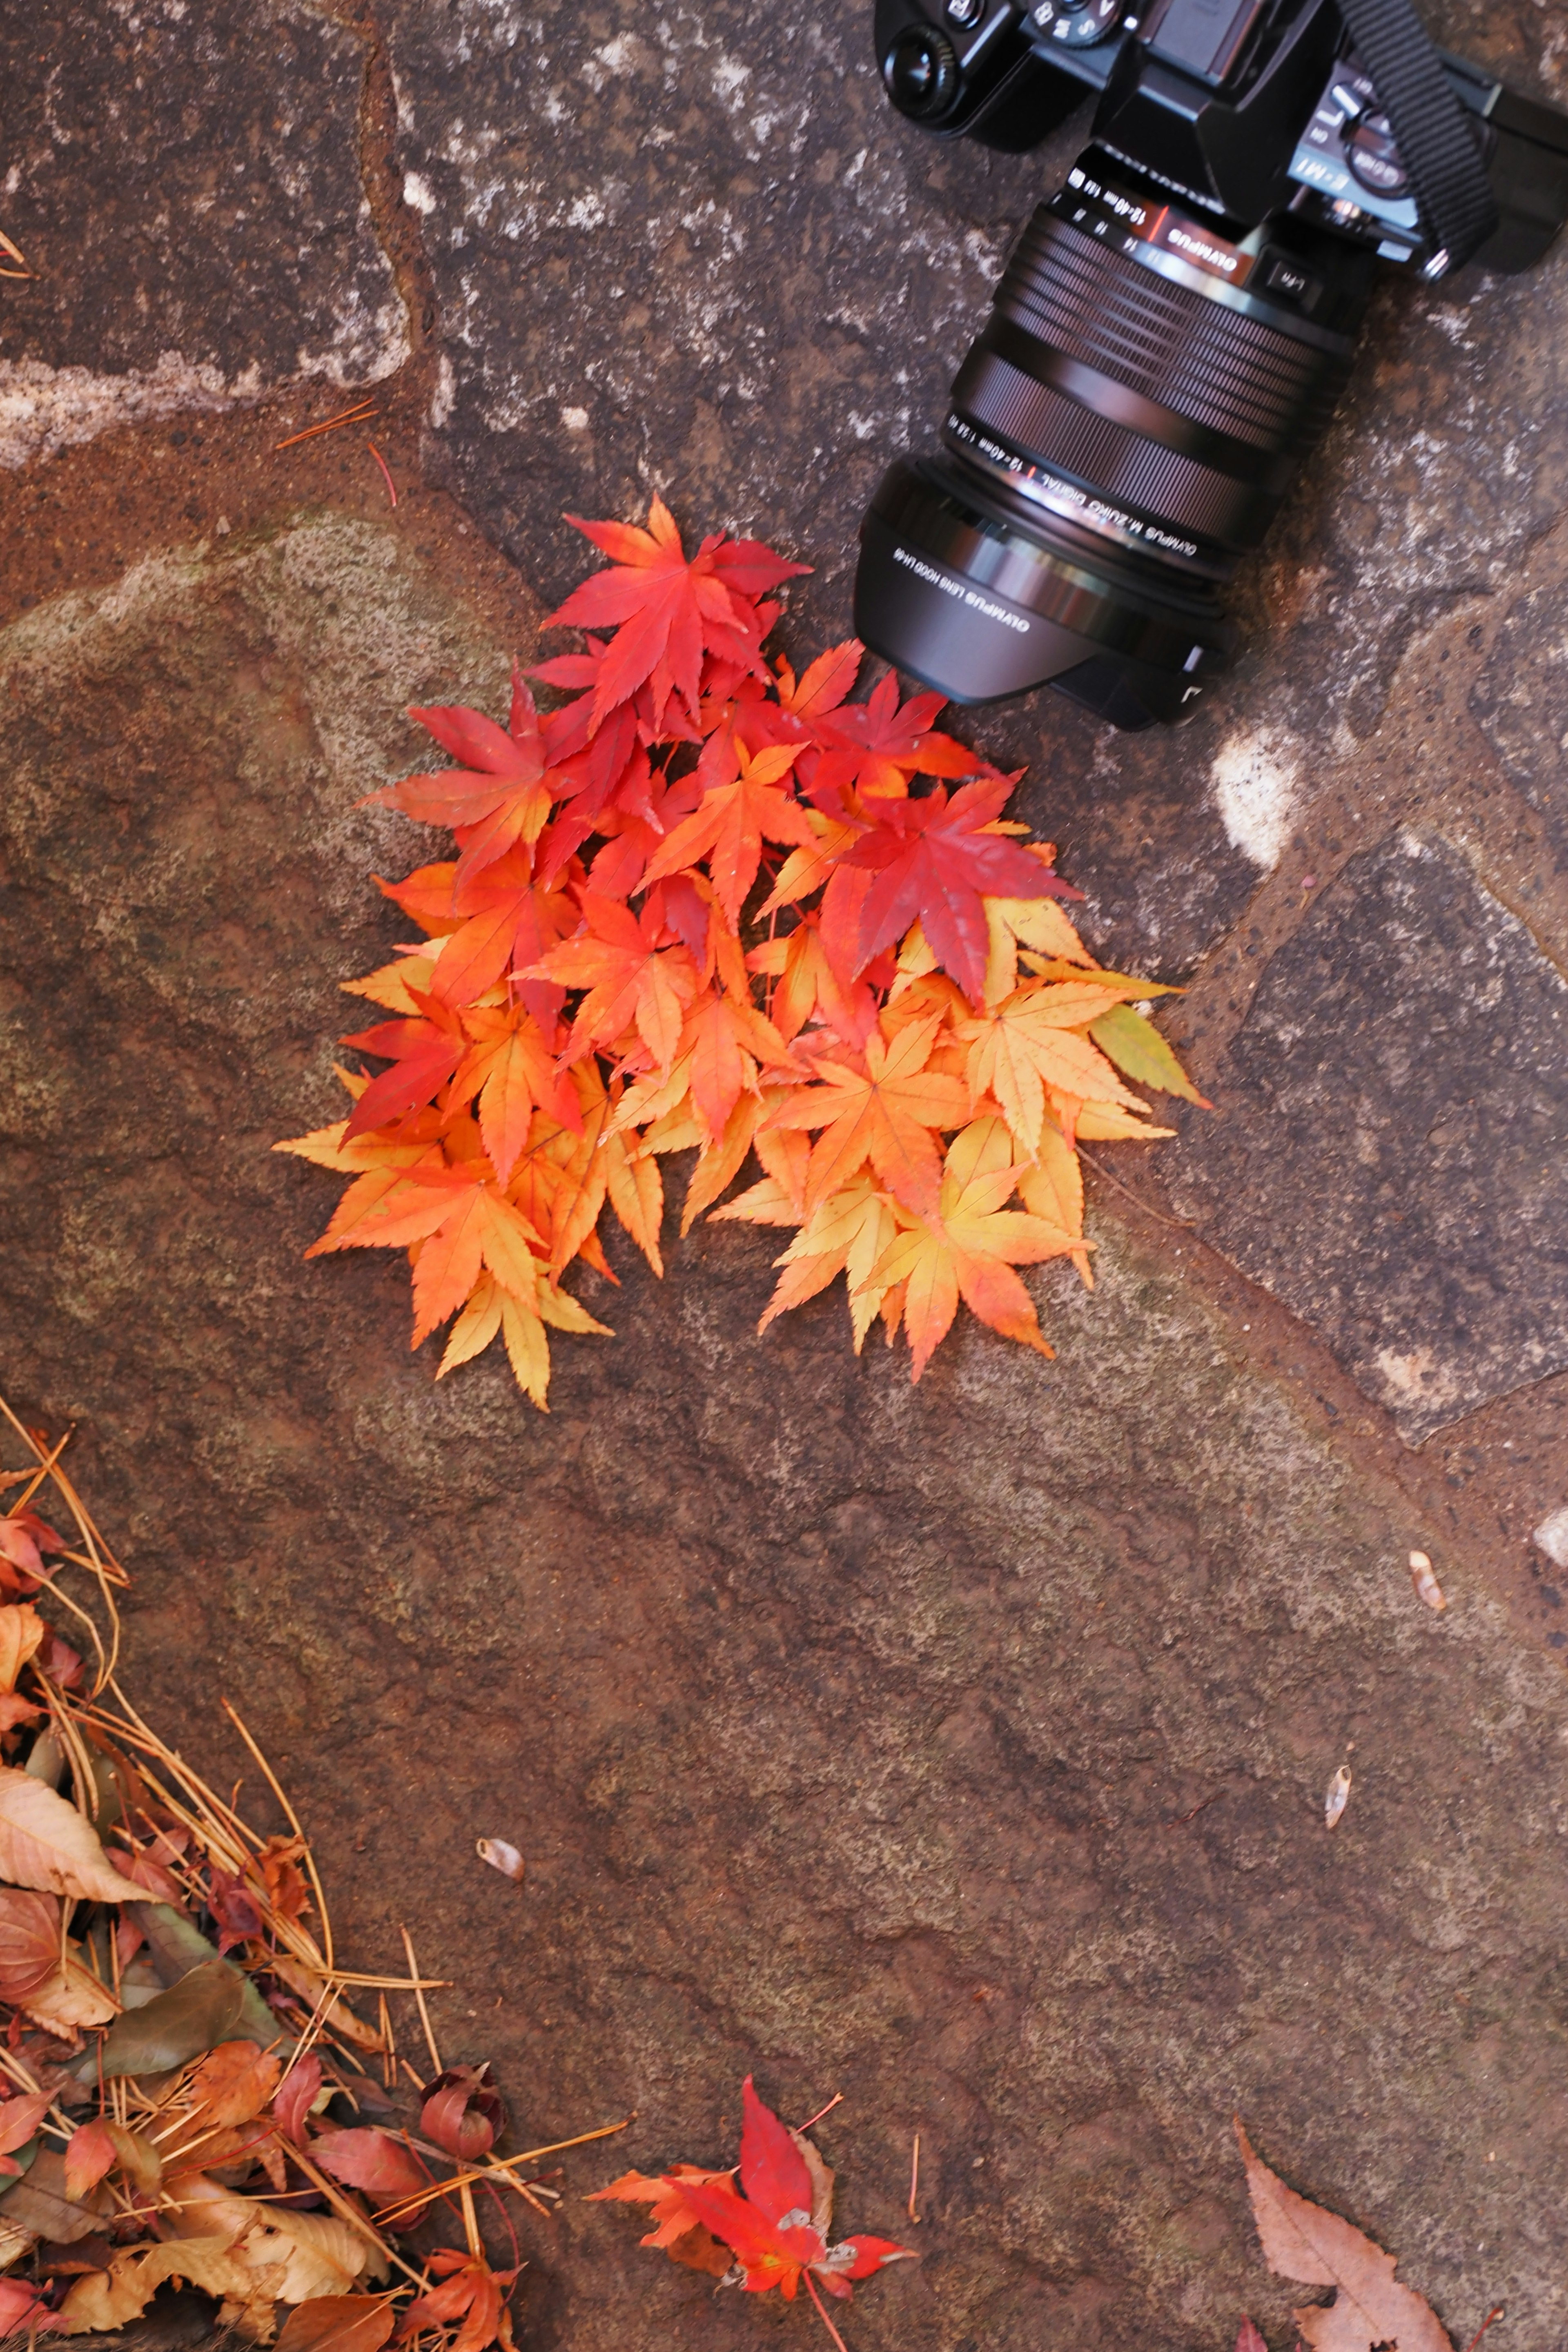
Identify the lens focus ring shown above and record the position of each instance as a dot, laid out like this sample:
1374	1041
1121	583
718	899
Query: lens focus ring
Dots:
1230	374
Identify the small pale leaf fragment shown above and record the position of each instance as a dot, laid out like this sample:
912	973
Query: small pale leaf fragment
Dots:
500	1856
1426	1583
1338	1796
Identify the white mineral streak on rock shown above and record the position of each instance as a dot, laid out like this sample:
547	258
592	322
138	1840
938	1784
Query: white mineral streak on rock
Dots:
1256	776
1552	1536
44	410
418	193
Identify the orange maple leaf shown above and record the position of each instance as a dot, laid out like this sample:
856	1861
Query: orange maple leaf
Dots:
743	804
969	1247
875	746
880	1107
630	979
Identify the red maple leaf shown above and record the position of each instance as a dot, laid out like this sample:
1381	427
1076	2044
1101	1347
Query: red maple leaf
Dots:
934	860
471	2291
775	2223
499	795
424	1053
669	610
875	746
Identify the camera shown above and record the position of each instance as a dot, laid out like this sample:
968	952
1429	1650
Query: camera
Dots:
1175	326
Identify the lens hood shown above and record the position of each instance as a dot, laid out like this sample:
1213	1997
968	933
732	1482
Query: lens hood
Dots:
951	591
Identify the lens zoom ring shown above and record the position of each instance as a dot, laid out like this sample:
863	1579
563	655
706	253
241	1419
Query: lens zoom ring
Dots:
1113	459
1208	362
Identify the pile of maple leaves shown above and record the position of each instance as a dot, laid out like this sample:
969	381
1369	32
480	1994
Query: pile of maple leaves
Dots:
189	2095
700	905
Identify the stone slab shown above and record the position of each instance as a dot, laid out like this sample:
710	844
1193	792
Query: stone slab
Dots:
961	1747
185	182
696	250
1520	702
1391	1159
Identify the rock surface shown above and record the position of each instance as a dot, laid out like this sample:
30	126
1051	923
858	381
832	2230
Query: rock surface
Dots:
1392	1160
184	183
960	1748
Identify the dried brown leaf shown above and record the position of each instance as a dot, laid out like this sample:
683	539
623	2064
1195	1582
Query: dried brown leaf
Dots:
29	1941
45	1844
338	2323
70	1997
1301	2240
233	2084
39	2202
112	2298
22	1631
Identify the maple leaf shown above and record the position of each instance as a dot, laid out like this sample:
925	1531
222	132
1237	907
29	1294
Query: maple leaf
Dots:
630	979
934	860
743	804
849	1233
880	1107
875	746
472	2294
777	2229
969	1247
1301	2240
808	985
424	1054
497	796
672	2217
671	610
1029	1043
512	1070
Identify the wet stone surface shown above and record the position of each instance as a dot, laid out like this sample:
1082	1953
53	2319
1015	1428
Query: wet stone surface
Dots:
1390	1161
1520	703
960	1748
186	184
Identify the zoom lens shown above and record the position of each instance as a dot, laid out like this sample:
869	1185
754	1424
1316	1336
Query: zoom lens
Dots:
1121	435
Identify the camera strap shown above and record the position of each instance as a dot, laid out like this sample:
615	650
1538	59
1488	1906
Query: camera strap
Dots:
1453	193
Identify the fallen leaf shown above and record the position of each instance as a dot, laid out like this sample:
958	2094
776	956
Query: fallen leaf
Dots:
29	1942
42	2203
367	2158
463	2112
45	1844
337	2322
192	2016
305	2254
470	2291
69	1998
777	2230
21	1632
1301	2240
112	2298
90	2153
1426	1583
1137	1047
500	1856
234	2082
21	2305
1338	1796
1249	2340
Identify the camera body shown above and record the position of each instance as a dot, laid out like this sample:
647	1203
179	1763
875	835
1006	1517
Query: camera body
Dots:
1175	326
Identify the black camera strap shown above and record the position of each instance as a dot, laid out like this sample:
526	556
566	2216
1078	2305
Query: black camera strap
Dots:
1453	194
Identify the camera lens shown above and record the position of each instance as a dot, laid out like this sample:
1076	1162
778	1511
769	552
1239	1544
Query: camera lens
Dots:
920	70
1121	432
